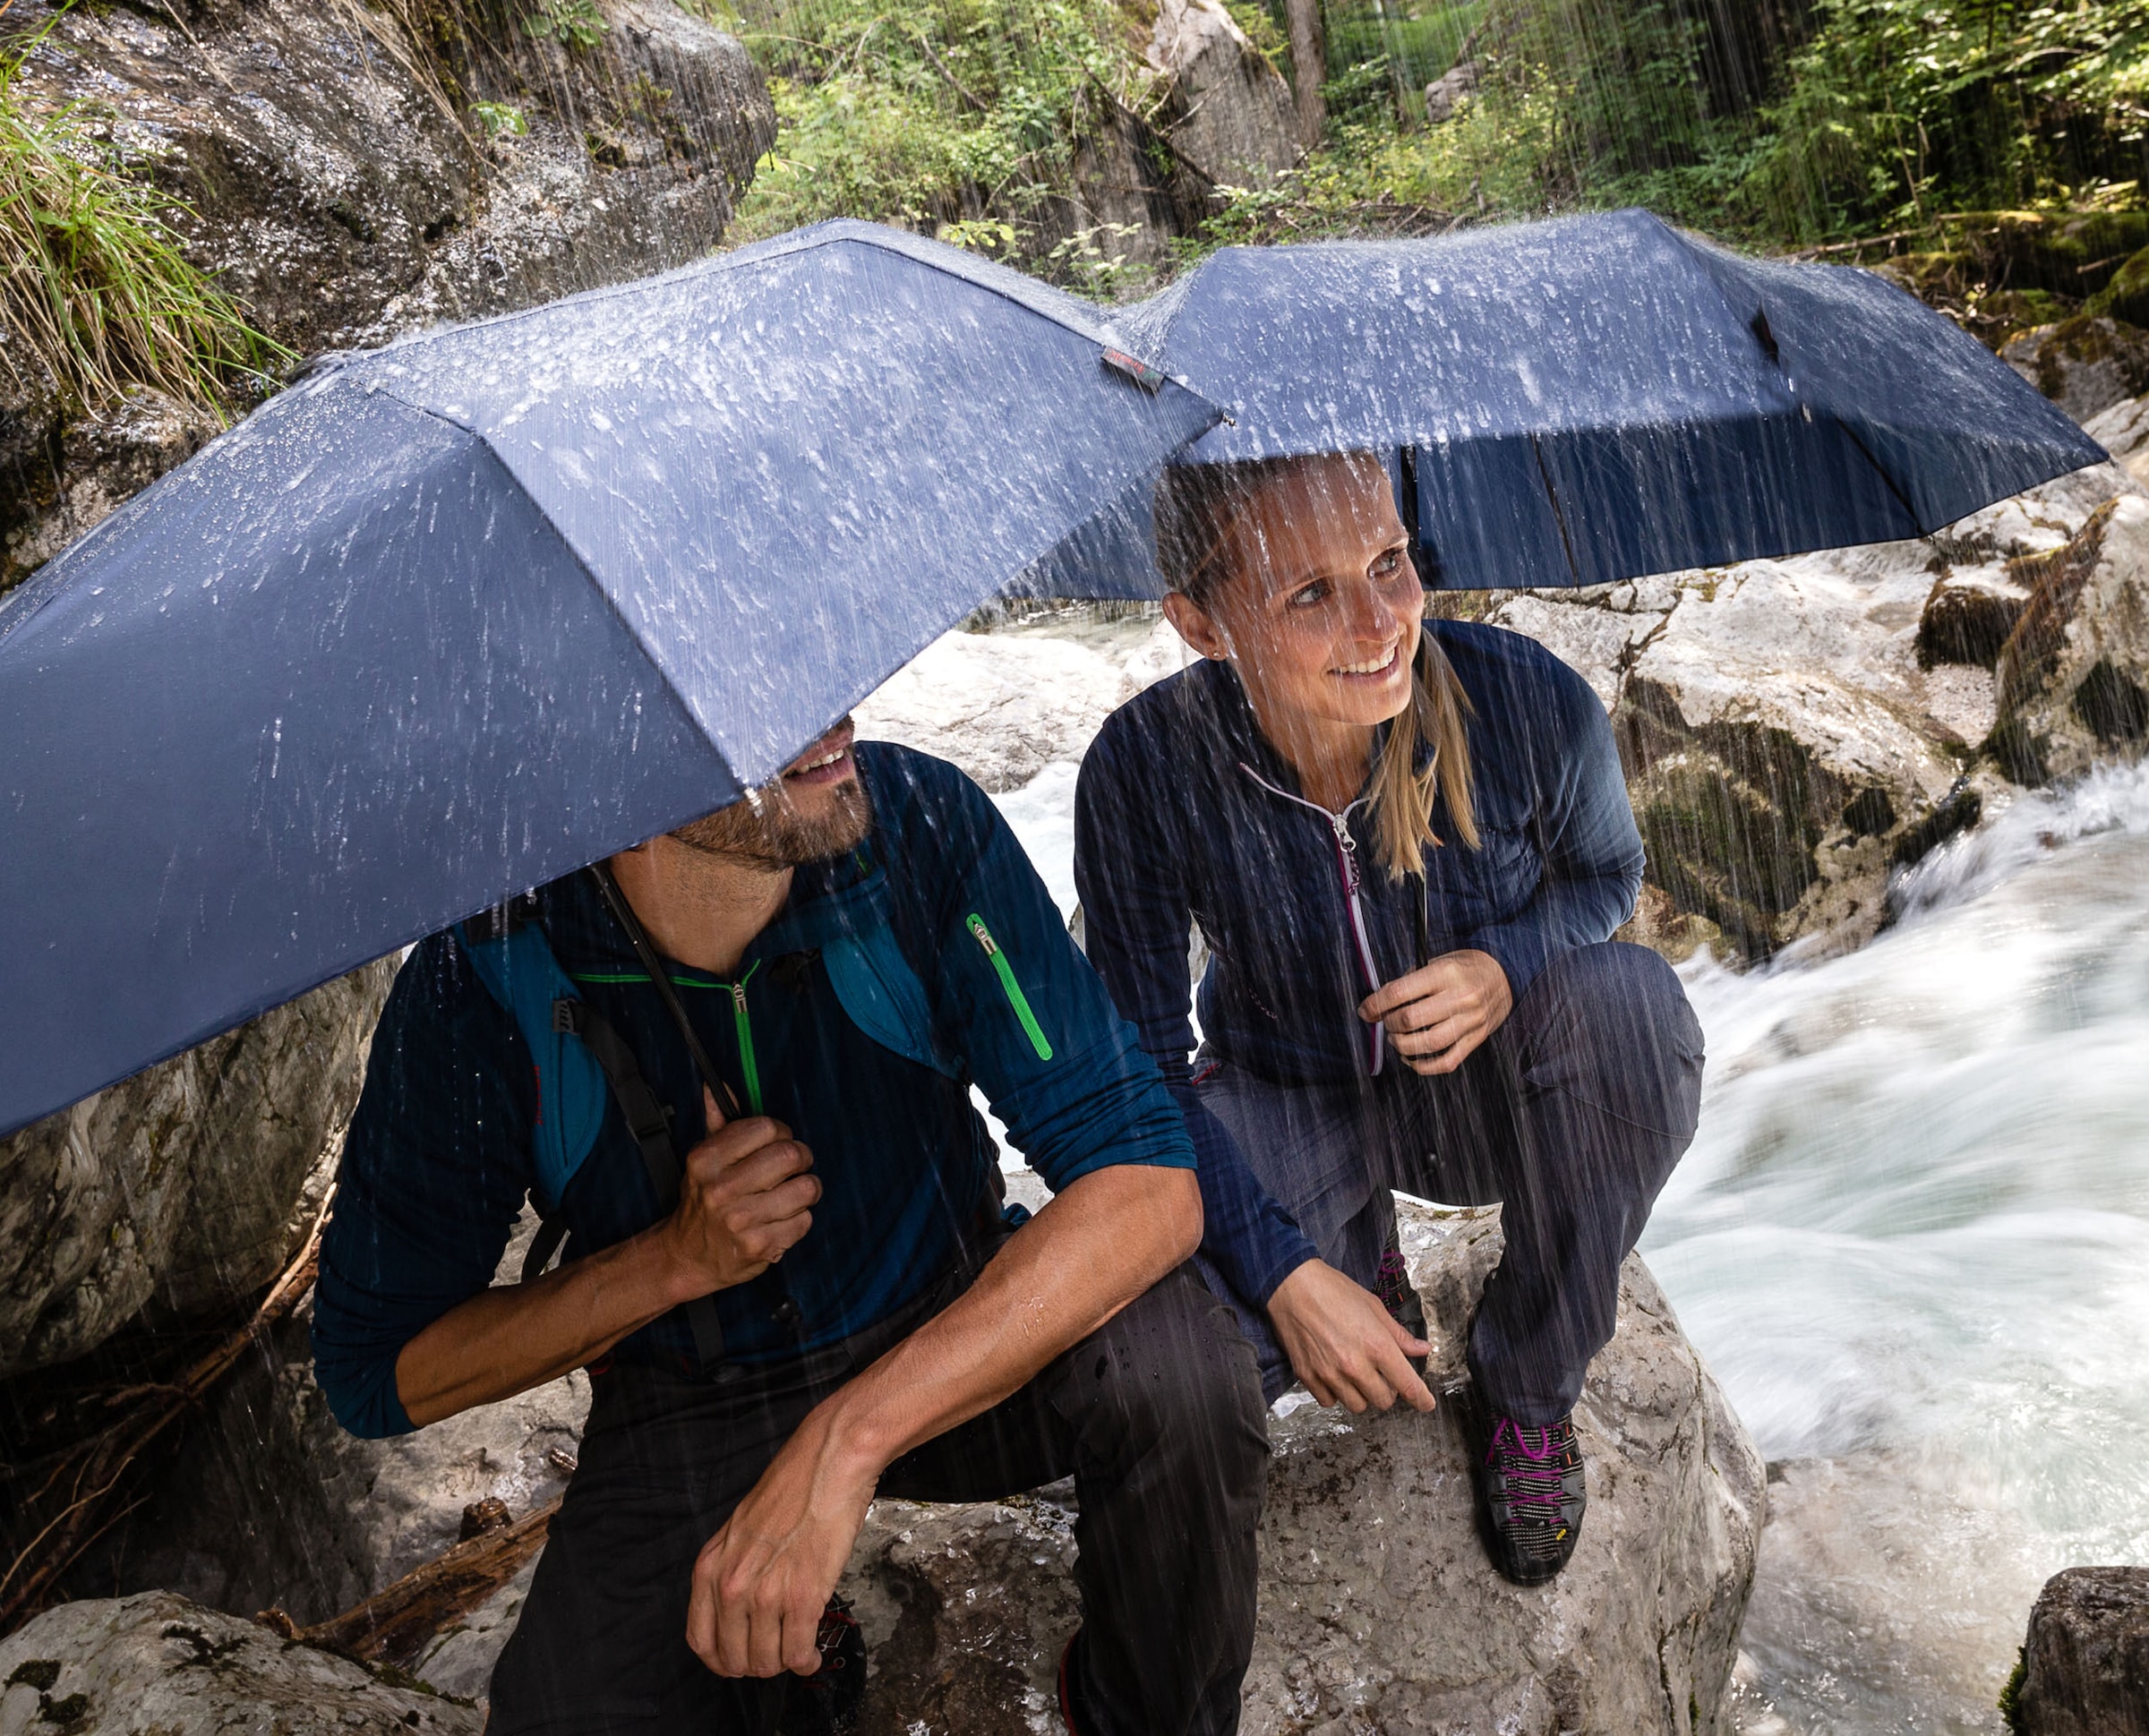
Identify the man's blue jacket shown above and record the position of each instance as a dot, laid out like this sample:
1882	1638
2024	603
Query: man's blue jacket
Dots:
1186	815
439	1157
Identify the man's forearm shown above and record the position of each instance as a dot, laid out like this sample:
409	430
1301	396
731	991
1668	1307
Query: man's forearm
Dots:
514	1337
1091	1251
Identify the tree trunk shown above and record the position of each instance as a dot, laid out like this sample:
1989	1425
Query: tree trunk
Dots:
1309	67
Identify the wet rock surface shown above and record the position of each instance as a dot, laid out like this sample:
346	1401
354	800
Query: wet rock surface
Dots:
159	1665
1232	111
2073	676
271	1503
1795	730
1001	707
2084	364
2085	1664
182	1188
344	188
1378	1607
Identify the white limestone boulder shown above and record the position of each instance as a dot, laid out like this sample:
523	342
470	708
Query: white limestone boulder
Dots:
159	1665
1001	705
1794	730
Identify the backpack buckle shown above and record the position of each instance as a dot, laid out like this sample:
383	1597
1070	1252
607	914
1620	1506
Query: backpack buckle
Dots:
567	1016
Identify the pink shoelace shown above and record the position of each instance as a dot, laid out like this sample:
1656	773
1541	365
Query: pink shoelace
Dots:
1536	1488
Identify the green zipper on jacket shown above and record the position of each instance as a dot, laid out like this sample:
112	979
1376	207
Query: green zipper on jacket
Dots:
745	1027
1016	999
741	1022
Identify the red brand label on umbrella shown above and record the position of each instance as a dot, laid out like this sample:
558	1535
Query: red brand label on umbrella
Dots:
1149	379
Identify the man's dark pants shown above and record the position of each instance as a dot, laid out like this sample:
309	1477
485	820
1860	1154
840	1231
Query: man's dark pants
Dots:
1571	1115
1156	1416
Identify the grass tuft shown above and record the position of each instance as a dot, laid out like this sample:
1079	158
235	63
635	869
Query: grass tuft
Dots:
94	289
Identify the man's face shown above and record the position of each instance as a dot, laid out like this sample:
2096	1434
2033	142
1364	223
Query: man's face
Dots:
817	809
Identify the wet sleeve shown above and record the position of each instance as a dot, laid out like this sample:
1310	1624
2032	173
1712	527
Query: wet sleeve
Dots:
1137	921
435	1168
1586	833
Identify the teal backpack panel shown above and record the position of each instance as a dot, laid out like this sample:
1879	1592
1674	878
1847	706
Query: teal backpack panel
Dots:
881	994
523	976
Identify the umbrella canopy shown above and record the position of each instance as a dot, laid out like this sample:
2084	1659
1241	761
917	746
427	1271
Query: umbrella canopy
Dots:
1576	402
459	616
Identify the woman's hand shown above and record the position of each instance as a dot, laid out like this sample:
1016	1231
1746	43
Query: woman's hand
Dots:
1441	1011
1343	1344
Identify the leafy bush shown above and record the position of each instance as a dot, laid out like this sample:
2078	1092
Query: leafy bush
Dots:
958	113
93	284
571	23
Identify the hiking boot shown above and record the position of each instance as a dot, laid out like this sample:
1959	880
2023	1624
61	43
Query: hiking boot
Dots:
1528	1483
1392	1283
826	1702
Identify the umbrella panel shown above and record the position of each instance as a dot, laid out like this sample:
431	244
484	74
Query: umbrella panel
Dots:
303	715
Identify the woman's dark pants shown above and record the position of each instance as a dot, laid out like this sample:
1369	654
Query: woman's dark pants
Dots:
1571	1116
1158	1416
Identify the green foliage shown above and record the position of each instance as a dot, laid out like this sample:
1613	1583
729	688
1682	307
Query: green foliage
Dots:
1896	109
1773	122
957	115
1869	115
571	23
2010	1695
500	118
93	284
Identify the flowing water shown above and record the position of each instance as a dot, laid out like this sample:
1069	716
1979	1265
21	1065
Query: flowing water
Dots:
1912	1241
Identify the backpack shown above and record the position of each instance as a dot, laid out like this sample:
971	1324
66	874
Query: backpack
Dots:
580	1061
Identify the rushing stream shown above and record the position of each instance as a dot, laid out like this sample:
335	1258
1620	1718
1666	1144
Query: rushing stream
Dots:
1913	1239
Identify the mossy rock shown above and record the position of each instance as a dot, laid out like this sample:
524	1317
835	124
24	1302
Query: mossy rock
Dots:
2126	295
2066	255
2084	364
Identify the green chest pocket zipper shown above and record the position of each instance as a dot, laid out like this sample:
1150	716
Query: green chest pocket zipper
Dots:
1016	999
742	1024
748	1070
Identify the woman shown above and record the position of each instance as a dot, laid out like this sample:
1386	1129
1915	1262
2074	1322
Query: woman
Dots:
1407	844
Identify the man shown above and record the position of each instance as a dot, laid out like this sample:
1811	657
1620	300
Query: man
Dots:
850	947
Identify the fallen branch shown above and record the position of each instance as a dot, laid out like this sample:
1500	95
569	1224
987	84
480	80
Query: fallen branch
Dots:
394	1624
87	1477
1892	236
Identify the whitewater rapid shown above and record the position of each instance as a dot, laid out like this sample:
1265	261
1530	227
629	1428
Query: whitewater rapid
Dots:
1912	1239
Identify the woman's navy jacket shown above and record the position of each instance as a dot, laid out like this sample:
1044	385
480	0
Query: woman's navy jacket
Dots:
439	1157
1185	814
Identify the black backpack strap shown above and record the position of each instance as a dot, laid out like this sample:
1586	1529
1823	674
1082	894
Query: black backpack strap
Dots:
550	1233
651	1126
783	1307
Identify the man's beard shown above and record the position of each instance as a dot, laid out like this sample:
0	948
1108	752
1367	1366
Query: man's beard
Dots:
765	831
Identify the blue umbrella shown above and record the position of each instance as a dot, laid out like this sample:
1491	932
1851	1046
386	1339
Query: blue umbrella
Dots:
1575	402
457	617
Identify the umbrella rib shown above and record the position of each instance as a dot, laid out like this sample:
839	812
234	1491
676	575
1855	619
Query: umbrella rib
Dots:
1559	517
1865	452
582	561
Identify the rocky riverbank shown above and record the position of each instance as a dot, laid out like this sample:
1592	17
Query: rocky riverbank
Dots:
1378	1607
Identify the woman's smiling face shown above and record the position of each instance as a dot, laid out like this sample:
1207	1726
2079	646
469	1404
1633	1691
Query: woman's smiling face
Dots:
1317	601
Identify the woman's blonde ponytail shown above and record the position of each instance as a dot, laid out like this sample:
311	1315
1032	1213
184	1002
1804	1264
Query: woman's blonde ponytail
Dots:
1403	796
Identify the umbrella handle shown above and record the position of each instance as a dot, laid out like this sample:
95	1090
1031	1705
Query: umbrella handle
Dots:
623	913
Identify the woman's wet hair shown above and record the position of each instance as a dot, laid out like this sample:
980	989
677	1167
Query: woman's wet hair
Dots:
1197	506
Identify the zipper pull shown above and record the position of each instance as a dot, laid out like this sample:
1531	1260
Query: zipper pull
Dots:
1348	845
